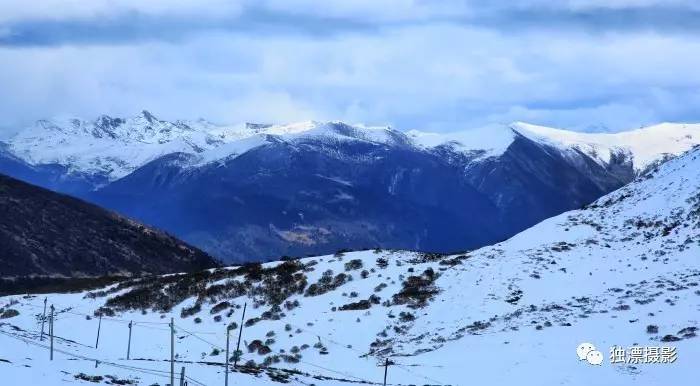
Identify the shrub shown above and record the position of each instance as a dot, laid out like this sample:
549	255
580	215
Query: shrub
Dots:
220	307
361	305
189	311
327	283
255	345
9	313
353	265
406	317
289	305
417	290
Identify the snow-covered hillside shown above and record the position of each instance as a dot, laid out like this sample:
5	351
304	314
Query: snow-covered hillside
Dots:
623	271
114	147
646	145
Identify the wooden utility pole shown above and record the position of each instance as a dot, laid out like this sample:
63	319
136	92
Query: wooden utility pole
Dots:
51	330
240	332
172	351
99	326
128	347
386	369
43	319
228	336
182	376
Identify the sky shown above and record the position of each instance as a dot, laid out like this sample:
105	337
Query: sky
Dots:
590	65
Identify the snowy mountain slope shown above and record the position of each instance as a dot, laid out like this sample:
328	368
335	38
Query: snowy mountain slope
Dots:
622	271
46	234
645	145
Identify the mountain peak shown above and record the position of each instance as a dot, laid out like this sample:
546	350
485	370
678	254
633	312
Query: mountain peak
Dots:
257	126
148	116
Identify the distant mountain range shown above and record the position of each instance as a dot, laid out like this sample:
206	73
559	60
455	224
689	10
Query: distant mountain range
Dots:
257	191
46	234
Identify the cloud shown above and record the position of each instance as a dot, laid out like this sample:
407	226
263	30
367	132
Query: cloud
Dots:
71	10
65	22
409	64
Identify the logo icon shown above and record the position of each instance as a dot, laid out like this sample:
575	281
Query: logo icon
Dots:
594	357
588	352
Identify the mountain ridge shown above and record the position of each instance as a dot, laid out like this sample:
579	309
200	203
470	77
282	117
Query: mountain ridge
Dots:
46	234
88	147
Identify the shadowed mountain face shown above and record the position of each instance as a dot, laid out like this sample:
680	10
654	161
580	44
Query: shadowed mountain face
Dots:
50	176
531	181
47	234
299	199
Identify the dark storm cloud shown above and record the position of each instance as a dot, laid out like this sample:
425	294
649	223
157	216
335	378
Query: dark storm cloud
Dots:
662	19
134	26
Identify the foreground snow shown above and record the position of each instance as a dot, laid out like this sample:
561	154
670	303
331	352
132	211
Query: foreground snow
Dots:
624	271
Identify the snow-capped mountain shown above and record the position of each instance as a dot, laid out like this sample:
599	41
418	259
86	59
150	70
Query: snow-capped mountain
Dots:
259	191
644	146
114	147
623	271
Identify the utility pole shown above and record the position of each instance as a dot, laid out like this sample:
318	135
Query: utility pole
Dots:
172	351
43	319
99	326
51	330
386	369
128	348
182	376
228	336
240	332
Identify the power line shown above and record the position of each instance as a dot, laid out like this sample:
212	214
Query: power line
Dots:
155	372
201	339
69	310
417	374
